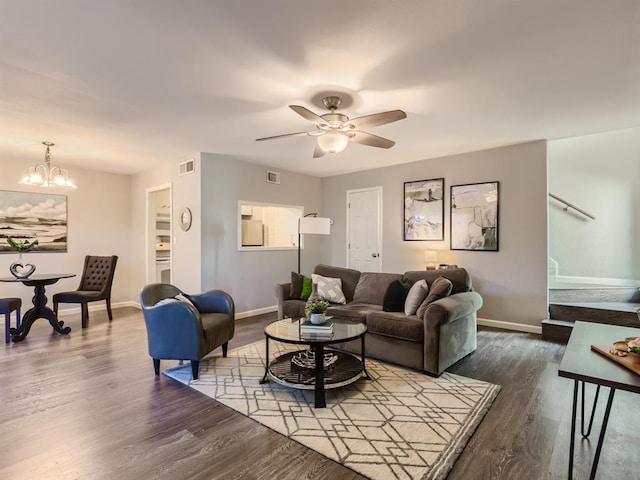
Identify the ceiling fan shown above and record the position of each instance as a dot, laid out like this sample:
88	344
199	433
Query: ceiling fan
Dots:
335	130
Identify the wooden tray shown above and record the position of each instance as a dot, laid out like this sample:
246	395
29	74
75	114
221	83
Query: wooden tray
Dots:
632	362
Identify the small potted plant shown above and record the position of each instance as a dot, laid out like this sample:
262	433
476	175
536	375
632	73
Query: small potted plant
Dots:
316	311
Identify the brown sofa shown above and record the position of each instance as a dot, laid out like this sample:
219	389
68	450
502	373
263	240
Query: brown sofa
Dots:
445	334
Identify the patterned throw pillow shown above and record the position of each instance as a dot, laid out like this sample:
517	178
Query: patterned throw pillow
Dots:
440	288
329	288
416	295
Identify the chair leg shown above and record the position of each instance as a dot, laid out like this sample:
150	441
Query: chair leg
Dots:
18	318
195	369
225	346
109	309
55	308
85	315
156	365
7	324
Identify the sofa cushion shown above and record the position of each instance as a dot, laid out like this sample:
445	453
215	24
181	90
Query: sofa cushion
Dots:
395	296
348	276
416	295
440	288
329	288
293	308
459	278
396	325
353	310
371	287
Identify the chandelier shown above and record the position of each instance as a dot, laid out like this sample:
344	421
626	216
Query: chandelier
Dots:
44	175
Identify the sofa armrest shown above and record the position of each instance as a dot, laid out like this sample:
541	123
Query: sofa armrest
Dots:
214	301
283	293
451	308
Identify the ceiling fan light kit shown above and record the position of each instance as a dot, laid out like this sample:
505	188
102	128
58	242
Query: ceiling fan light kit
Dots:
333	142
334	130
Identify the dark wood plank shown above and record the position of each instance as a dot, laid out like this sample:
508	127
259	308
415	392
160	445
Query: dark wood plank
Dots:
88	405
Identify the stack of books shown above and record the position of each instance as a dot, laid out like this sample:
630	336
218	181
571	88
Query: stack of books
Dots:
308	329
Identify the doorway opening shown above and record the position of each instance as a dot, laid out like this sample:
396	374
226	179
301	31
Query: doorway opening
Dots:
159	234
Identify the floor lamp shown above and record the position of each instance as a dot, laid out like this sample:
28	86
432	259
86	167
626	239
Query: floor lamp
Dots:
313	224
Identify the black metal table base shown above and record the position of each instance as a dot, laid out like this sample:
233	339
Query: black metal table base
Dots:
39	310
347	369
585	435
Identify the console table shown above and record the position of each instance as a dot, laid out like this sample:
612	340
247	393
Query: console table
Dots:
39	309
583	365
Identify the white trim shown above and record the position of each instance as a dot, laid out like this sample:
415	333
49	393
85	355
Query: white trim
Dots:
100	306
518	327
378	190
97	307
257	311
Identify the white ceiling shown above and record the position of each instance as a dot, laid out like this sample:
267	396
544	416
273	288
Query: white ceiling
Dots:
120	85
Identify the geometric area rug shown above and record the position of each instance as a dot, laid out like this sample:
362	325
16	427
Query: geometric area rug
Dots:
401	424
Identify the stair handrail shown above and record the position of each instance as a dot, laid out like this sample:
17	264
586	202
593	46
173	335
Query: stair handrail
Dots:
571	205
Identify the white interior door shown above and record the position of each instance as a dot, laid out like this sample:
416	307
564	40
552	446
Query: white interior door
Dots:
364	229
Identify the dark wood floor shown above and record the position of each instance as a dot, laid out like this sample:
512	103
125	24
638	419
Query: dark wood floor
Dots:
87	406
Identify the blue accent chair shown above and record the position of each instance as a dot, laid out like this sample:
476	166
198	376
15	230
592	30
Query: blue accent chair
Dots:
8	305
182	330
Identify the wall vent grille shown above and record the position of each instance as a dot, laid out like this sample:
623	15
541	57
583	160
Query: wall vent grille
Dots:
273	177
187	167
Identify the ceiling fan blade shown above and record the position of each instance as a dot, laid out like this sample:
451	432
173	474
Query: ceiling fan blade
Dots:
365	138
308	114
298	134
378	119
318	152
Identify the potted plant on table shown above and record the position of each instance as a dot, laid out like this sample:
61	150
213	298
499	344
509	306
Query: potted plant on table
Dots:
316	311
18	269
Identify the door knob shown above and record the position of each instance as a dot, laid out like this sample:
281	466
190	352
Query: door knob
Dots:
375	255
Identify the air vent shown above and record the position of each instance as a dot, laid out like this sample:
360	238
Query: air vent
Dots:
187	167
273	177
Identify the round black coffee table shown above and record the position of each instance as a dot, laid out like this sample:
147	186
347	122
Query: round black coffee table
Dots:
344	368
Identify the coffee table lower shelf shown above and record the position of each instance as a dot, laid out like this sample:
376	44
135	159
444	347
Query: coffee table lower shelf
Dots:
346	370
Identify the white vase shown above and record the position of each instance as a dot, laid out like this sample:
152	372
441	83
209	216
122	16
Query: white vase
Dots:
317	318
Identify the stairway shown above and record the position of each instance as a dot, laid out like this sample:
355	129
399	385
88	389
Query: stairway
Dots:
613	306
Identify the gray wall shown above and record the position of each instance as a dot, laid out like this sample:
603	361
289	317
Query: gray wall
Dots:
600	174
250	276
98	216
513	281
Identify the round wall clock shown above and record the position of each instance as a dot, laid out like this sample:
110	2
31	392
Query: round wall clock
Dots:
184	219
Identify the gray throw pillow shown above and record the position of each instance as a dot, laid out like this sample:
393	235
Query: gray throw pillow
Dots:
417	294
296	285
440	288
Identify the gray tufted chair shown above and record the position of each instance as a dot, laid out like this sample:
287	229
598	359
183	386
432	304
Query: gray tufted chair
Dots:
95	285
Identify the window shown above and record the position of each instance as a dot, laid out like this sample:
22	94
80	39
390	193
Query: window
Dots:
264	226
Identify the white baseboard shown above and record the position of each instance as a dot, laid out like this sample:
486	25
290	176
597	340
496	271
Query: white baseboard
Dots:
257	311
518	327
100	306
94	307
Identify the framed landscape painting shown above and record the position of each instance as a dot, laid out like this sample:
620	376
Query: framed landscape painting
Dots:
33	216
424	209
474	216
